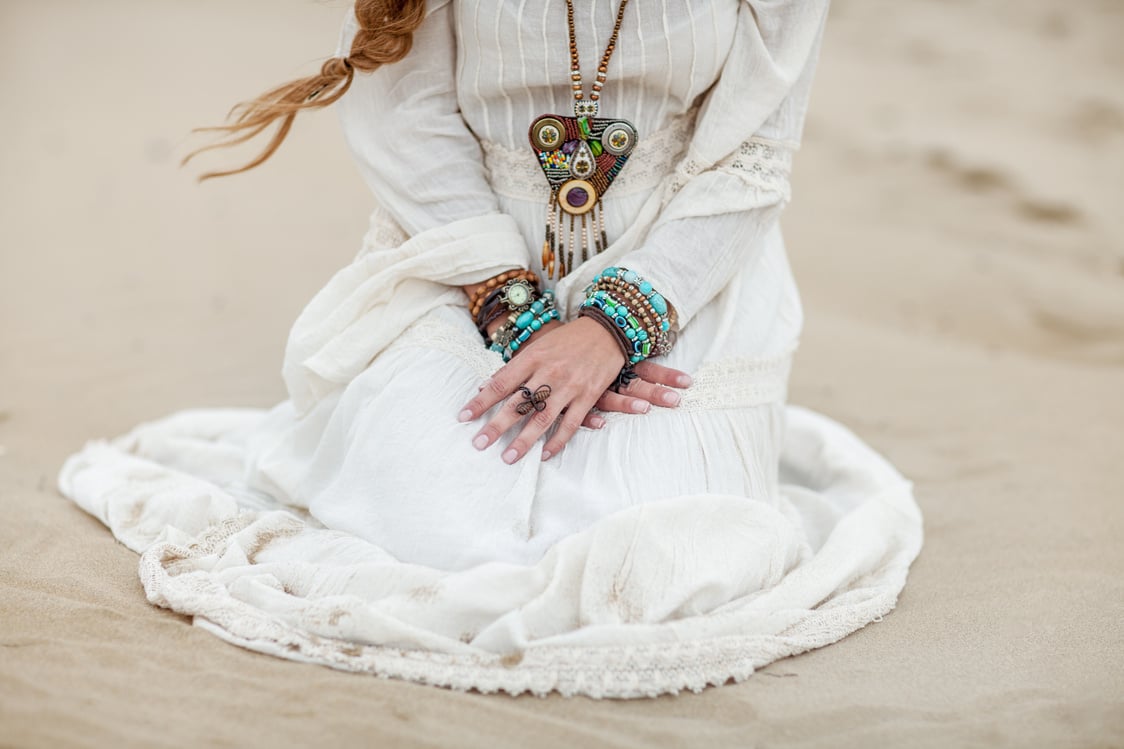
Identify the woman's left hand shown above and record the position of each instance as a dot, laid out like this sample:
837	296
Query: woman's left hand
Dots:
577	360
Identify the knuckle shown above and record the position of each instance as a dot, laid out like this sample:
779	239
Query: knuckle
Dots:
542	419
497	386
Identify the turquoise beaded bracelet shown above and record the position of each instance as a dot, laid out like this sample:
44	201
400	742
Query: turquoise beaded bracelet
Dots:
659	304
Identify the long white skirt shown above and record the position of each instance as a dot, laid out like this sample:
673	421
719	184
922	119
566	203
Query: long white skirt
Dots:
665	551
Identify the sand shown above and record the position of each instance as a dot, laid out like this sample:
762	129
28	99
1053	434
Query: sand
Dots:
957	236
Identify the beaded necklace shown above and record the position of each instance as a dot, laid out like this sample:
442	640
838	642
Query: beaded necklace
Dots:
580	156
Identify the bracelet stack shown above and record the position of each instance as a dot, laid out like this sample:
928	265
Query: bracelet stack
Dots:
632	310
639	318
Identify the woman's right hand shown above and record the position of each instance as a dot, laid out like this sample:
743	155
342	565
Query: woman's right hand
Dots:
652	387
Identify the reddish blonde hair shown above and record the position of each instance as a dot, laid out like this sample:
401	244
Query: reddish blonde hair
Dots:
385	35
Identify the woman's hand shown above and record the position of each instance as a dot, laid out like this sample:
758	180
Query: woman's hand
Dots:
639	395
577	360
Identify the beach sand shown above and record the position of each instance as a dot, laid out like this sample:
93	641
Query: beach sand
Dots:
957	235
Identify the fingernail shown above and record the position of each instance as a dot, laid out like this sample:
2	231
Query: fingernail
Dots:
671	399
546	454
640	407
510	456
597	422
465	415
480	441
684	381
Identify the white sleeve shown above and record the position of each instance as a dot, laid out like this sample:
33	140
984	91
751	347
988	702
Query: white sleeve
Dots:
406	133
733	183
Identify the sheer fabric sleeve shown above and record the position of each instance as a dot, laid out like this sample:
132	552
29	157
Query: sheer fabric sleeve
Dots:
404	128
730	188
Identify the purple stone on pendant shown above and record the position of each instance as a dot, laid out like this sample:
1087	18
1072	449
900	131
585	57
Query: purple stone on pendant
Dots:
569	146
577	197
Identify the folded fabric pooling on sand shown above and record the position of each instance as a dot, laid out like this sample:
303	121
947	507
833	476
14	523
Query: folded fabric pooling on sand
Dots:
665	596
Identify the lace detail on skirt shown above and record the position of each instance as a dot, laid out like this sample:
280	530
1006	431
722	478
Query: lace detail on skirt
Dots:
432	332
733	382
737	382
516	173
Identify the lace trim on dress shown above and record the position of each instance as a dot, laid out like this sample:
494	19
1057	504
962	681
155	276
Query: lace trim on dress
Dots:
515	173
759	162
172	577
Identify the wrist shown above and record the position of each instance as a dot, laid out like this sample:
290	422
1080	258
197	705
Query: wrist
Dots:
607	331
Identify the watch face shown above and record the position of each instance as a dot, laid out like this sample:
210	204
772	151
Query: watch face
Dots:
518	294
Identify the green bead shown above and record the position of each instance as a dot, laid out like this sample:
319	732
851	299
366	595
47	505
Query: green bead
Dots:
583	124
595	146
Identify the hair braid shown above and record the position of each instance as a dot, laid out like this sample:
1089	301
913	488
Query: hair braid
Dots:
385	35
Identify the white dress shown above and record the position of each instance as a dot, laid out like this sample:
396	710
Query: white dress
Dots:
354	524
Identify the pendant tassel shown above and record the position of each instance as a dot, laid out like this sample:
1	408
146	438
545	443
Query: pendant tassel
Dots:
603	241
559	242
547	238
551	242
585	238
570	249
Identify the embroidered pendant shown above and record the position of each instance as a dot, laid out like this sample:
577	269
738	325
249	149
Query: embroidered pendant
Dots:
580	157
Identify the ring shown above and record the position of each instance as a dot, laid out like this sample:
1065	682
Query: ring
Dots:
535	401
627	375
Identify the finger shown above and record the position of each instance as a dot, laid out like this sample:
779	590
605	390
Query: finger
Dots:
658	373
567	428
593	420
504	418
657	395
500	385
610	401
539	421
